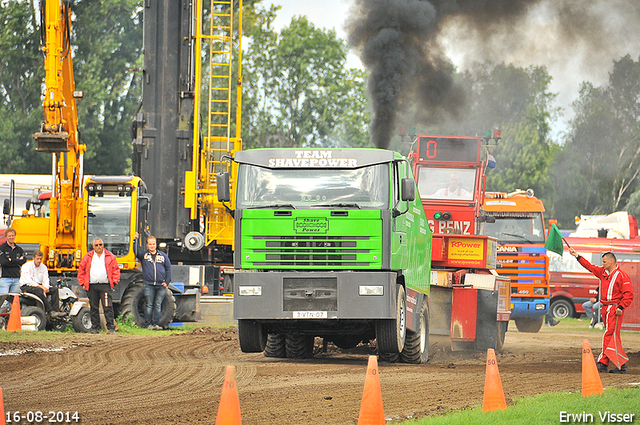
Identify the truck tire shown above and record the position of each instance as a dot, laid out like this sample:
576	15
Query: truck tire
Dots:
389	357
561	309
81	322
38	313
299	346
529	325
275	346
416	346
133	305
391	333
252	336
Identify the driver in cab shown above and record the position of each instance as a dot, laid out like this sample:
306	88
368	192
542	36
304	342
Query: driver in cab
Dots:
453	190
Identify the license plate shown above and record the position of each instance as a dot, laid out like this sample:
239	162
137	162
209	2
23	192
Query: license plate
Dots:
309	314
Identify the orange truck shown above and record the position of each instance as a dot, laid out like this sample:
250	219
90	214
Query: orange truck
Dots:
516	220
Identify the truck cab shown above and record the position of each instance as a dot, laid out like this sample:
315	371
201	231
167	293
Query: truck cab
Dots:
518	224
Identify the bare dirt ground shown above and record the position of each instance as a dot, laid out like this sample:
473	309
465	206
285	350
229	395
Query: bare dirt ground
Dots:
177	378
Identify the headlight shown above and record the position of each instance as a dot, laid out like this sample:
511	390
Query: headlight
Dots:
250	290
540	306
539	291
371	290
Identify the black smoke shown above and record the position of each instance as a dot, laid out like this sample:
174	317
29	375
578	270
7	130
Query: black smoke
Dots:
400	44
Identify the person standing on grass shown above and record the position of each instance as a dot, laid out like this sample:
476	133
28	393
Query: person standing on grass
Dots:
616	294
156	275
97	274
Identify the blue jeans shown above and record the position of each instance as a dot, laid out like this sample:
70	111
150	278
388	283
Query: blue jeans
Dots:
154	295
9	285
592	309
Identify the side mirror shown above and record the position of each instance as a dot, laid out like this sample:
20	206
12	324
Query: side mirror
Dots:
222	187
27	205
487	219
6	207
408	189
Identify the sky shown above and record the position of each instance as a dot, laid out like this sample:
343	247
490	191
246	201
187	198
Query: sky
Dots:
540	40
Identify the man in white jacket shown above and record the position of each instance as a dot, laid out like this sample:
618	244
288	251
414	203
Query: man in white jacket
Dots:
34	278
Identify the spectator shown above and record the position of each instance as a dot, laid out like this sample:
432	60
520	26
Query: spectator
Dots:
592	309
97	274
12	257
34	278
156	275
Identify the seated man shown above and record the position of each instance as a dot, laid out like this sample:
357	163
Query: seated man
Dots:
34	278
453	190
592	309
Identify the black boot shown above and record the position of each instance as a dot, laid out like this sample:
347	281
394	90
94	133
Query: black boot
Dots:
622	370
602	367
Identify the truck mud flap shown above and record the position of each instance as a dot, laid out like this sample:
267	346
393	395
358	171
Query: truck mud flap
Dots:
487	325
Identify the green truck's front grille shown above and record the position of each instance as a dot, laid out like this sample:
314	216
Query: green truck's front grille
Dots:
311	239
312	251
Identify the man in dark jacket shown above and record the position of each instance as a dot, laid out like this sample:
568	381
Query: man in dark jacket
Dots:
12	257
156	275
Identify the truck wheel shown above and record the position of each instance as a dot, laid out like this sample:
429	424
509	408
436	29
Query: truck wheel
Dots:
252	336
82	321
133	305
502	333
529	325
391	334
416	346
561	309
389	357
299	346
38	313
275	346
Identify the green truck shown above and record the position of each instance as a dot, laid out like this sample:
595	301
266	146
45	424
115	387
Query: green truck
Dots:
329	243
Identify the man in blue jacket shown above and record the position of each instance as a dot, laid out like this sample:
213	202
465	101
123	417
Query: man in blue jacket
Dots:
156	275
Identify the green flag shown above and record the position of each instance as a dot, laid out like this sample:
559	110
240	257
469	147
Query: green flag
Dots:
554	240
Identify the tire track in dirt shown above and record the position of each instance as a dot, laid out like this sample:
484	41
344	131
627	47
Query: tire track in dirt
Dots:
177	378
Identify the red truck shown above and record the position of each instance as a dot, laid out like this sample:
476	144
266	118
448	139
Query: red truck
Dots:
571	284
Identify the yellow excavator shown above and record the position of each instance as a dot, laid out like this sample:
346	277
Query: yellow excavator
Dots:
82	208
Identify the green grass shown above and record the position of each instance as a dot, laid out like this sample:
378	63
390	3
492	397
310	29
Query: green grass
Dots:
545	409
125	327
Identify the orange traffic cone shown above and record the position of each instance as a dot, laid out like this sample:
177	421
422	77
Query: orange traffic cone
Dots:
371	410
591	383
15	323
493	398
2	422
229	408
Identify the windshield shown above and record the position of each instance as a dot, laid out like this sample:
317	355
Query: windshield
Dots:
363	188
519	230
109	219
446	183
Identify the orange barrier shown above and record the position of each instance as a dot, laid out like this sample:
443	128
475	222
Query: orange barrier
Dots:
591	383
371	410
15	322
493	398
229	407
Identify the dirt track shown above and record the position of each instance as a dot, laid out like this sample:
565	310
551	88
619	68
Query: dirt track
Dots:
177	379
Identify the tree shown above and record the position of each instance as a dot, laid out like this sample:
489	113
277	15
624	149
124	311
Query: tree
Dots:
603	145
21	75
108	38
106	44
297	91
